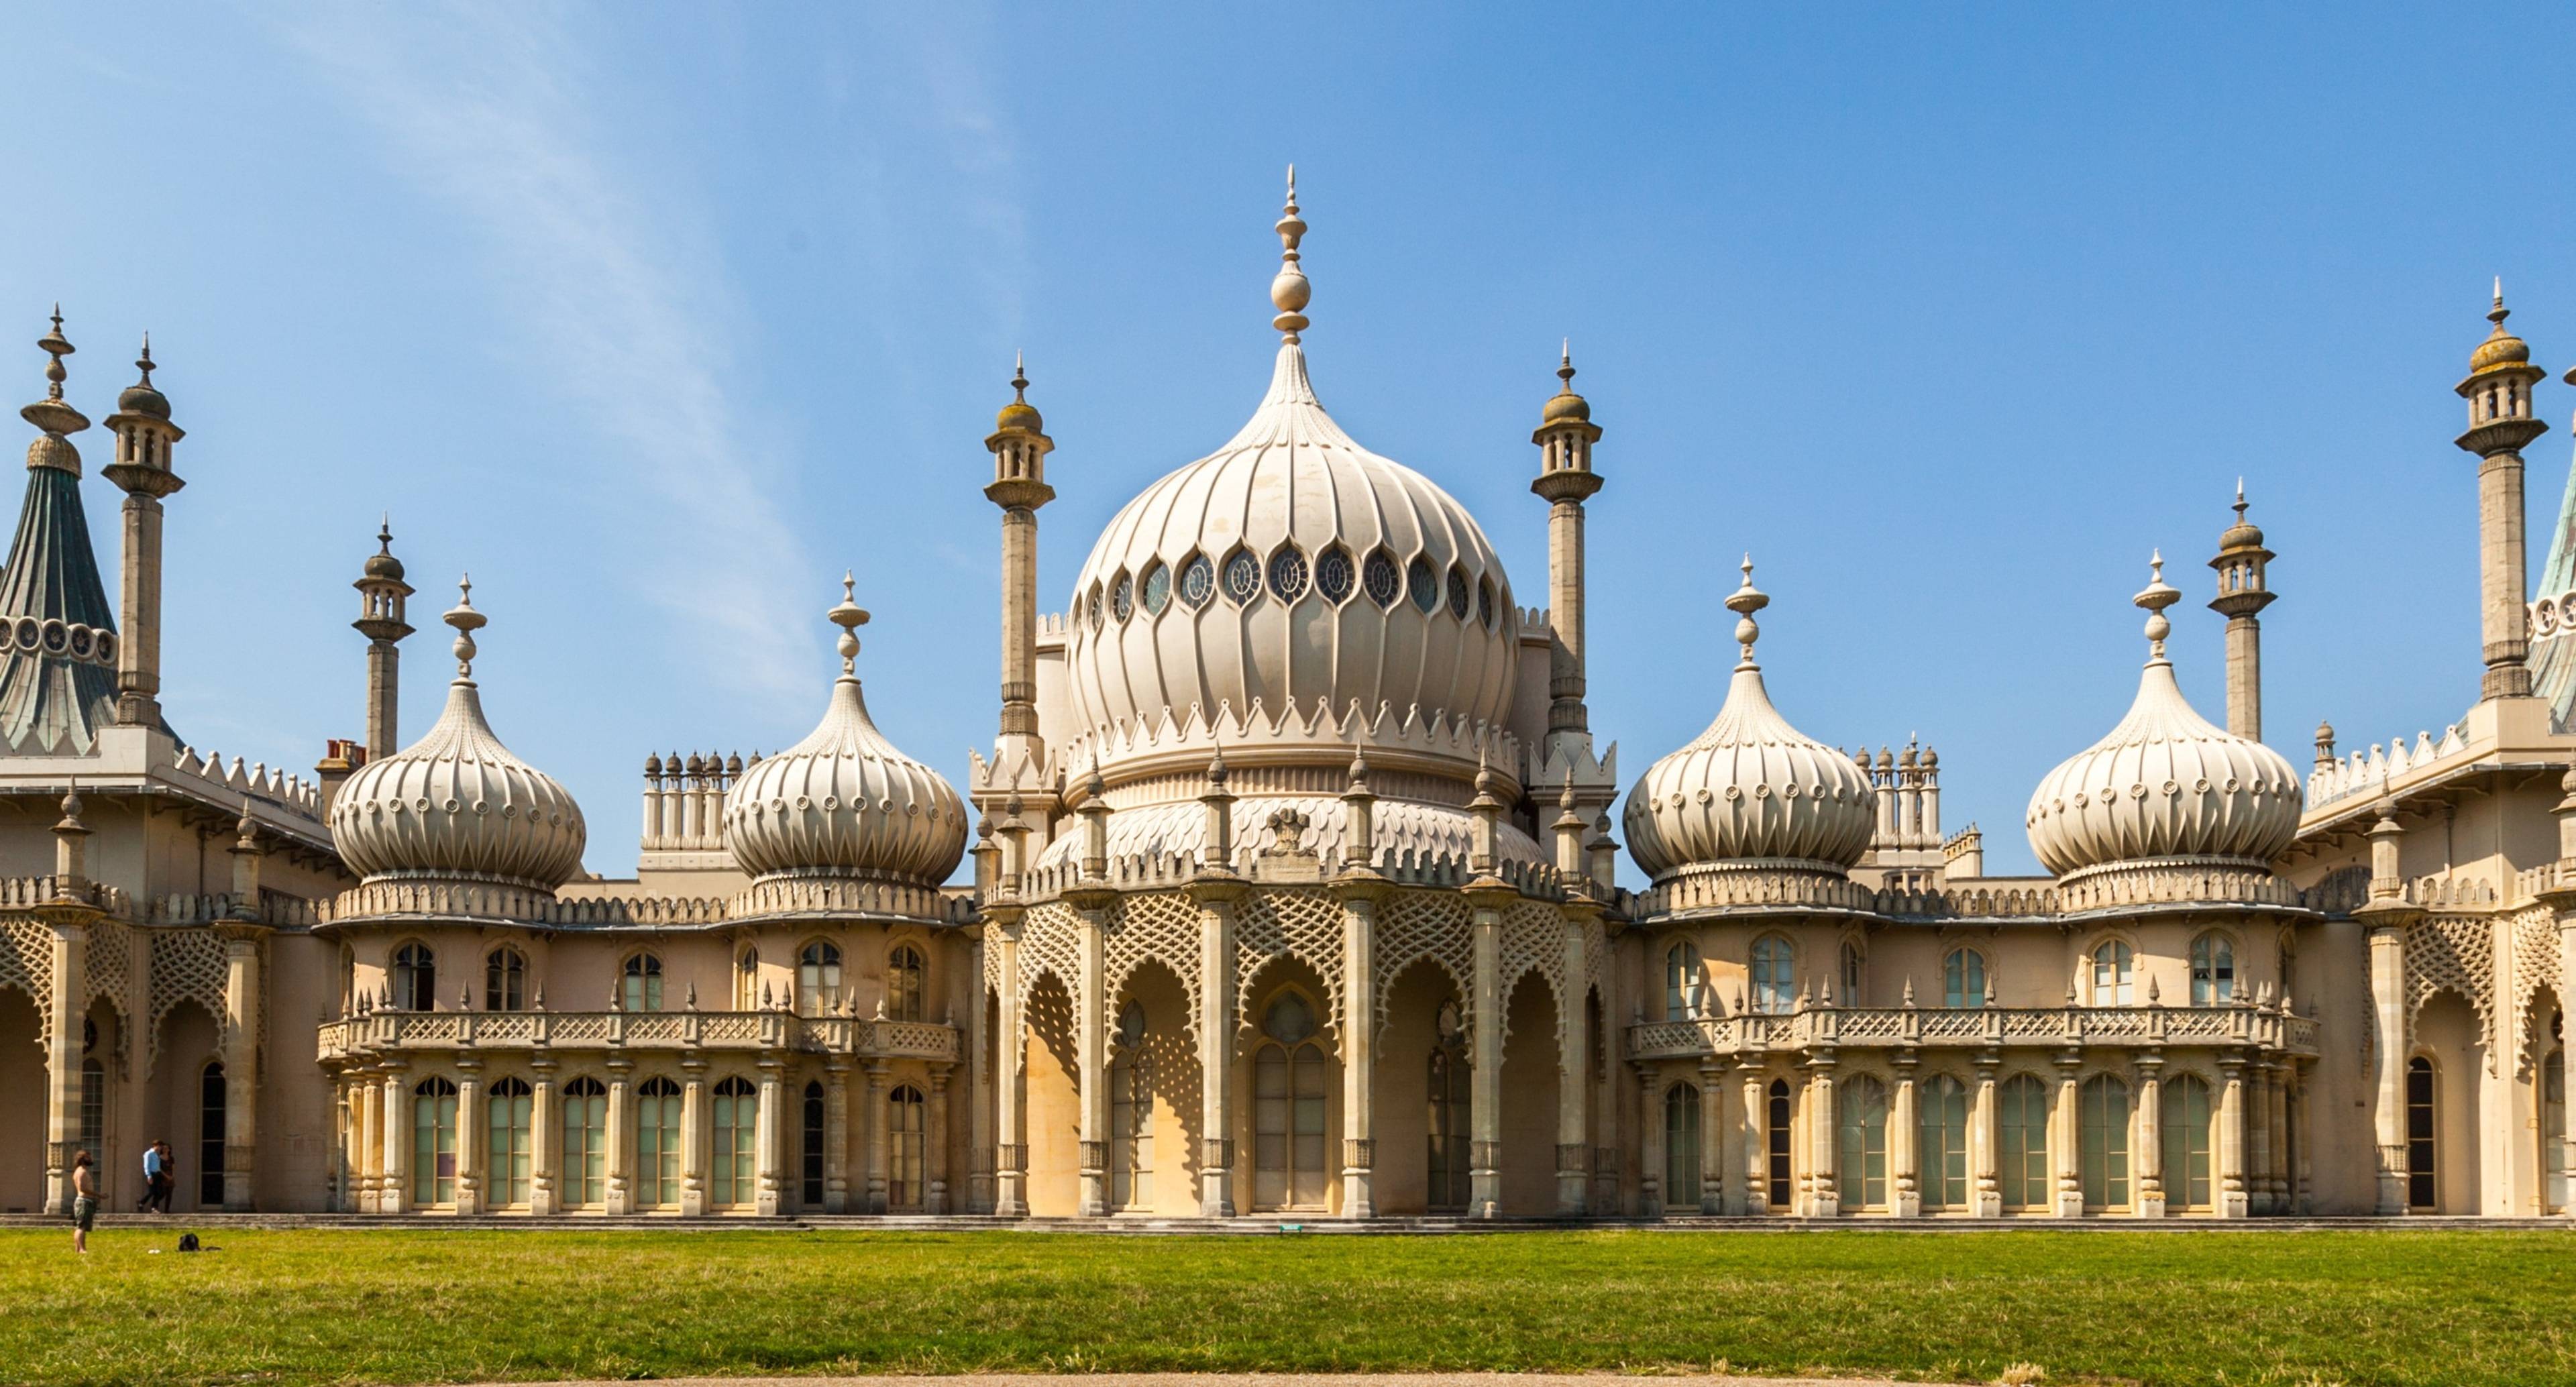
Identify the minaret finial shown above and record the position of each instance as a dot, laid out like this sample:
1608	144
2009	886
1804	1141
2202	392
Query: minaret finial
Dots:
2240	500
1289	291
1565	367
2499	312
849	616
143	363
467	621
2155	597
57	347
1744	602
1019	378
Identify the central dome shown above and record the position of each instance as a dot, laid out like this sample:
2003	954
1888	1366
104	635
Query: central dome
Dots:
1291	594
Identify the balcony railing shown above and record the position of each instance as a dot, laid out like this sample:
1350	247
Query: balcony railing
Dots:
413	1032
2249	1026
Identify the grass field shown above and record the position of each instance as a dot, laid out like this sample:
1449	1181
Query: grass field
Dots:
431	1305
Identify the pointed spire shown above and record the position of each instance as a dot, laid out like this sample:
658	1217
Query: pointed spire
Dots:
1744	602
467	621
1289	291
2155	597
849	616
52	414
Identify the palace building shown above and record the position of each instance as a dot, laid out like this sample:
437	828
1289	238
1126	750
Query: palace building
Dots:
1293	892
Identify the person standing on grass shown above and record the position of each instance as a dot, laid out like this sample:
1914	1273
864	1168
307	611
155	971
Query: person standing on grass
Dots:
84	1200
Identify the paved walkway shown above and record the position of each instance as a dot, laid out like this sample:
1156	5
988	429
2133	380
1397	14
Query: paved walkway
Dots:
1276	1380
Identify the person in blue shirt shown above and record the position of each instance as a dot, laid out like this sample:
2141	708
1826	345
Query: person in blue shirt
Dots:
156	1177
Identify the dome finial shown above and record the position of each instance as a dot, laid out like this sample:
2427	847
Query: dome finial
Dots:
1744	602
467	621
2499	312
144	362
1019	377
56	346
849	616
1289	291
2155	597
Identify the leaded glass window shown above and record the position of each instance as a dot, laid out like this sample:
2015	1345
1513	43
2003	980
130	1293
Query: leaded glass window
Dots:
1198	581
1383	582
1288	574
1333	574
1122	597
1485	602
1158	589
1424	584
1242	577
1458	593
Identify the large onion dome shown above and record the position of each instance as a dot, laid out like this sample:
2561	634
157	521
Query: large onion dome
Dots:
844	802
456	806
2165	784
1751	791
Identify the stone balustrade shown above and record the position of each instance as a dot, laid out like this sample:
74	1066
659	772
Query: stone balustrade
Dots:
359	1038
2245	1026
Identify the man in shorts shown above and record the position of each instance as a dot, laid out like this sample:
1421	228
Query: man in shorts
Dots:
84	1200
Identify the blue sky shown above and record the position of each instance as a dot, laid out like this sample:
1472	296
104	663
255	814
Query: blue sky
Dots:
657	319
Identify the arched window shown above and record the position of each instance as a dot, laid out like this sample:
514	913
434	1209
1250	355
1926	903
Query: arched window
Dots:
2111	970
818	979
746	980
584	1178
1849	982
2213	971
93	1112
1131	1113
2185	1119
506	1123
1777	1109
2553	1130
433	1142
657	1144
1862	1179
1681	1147
1449	1088
1681	982
2423	1182
1774	974
211	1103
643	982
505	980
2022	1132
415	978
737	1133
1288	1094
1963	979
904	1189
2103	1104
1942	1148
812	1163
903	983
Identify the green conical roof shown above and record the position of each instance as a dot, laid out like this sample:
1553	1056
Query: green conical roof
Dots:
57	681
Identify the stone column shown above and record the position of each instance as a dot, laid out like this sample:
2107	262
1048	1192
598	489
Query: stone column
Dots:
621	1136
241	1061
836	1134
2151	1137
470	1134
1985	1143
934	1155
1215	896
1010	1064
2232	1198
694	1141
545	1136
1485	1090
770	1131
394	1193
1091	1026
363	1141
1573	1082
63	1057
1824	1197
2068	1145
2388	1055
1359	1045
1756	1147
979	1090
1904	1148
1650	1144
2276	1086
2258	1138
875	1118
1712	1136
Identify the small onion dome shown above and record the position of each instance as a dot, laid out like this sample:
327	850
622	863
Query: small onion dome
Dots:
456	805
142	397
2501	348
1565	405
2165	783
1019	414
382	563
2244	534
1751	790
844	801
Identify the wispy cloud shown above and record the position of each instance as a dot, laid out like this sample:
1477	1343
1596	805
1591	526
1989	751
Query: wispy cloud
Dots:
622	302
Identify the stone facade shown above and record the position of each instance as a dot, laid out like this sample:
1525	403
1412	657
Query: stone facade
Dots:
1293	892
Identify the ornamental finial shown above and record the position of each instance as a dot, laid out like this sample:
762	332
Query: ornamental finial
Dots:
467	621
849	616
57	347
1289	291
1744	602
2155	597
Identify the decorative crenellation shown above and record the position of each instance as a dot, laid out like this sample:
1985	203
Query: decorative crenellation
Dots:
259	780
1814	1025
835	894
2371	771
1149	871
360	1039
684	799
1428	732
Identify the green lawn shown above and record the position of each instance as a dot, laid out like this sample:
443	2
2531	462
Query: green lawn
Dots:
431	1305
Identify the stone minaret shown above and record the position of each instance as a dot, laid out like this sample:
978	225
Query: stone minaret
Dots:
1019	445
2241	598
381	591
2501	424
144	435
1565	436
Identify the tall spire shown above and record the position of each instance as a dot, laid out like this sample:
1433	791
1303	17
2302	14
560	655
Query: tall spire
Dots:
2501	425
58	677
2243	592
1289	291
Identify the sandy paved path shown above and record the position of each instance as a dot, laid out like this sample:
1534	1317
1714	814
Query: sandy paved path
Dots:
1278	1380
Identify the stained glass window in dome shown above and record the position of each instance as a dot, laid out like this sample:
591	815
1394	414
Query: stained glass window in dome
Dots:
1122	597
1242	576
1158	589
1423	583
1485	602
1333	574
1095	608
1458	593
1384	583
1198	581
1288	574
